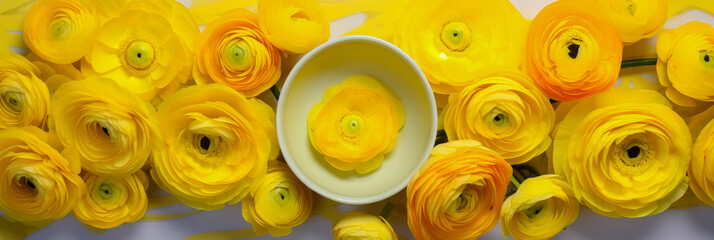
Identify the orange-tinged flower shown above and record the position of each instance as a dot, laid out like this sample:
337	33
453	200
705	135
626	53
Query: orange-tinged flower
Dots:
111	202
361	225
685	63
455	40
37	182
635	19
458	192
572	50
356	124
295	26
60	31
233	51
701	169
506	112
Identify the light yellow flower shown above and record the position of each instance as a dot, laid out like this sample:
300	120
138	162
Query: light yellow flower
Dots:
504	111
458	192
701	169
277	202
541	207
356	124
109	130
111	202
140	51
37	182
685	63
60	31
635	19
233	51
361	225
453	41
572	50
25	98
216	145
295	26
624	152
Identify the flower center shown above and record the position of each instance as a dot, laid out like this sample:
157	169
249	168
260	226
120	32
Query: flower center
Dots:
238	55
573	50
631	7
280	195
633	155
352	125
456	36
534	210
105	191
706	58
497	118
60	29
300	16
27	182
13	100
140	54
205	143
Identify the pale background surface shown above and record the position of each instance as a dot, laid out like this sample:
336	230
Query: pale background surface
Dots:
689	223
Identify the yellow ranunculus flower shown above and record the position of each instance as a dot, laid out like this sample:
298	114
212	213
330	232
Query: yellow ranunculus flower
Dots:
111	202
36	183
233	51
572	50
458	192
701	169
295	26
356	124
685	63
504	111
277	202
541	207
216	145
635	19
624	152
140	51
60	31
453	41
25	98
110	130
361	225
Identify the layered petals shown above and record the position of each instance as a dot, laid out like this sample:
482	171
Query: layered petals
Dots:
361	225
295	26
25	98
111	202
635	19
701	169
60	31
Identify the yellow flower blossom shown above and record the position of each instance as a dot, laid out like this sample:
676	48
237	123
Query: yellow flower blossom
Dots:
295	26
685	63
277	202
216	145
361	225
635	19
701	169
453	41
541	207
111	131
356	124
25	98
624	152
458	192
111	202
506	112
37	182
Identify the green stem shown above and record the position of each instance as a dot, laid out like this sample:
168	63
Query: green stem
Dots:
515	181
276	91
386	210
638	62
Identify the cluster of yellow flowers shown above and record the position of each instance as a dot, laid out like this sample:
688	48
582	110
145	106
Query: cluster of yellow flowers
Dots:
113	92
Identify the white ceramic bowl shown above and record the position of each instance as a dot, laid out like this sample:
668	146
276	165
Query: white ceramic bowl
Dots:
329	64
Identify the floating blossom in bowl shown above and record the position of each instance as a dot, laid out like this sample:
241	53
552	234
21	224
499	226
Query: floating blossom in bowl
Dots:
233	51
635	19
356	124
111	131
572	50
277	202
685	63
361	225
60	31
457	193
295	26
506	112
216	145
625	152
453	41
37	182
541	207
111	202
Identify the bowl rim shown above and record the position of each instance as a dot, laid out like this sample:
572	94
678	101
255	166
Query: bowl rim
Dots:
281	105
